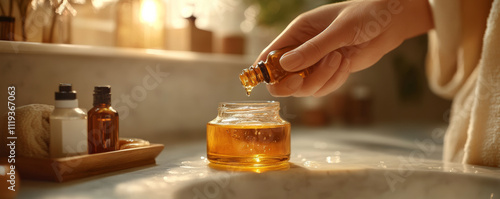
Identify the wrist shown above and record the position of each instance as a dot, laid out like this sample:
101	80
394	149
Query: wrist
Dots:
416	17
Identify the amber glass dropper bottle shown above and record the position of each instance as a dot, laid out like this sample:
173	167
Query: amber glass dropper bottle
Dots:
102	123
269	71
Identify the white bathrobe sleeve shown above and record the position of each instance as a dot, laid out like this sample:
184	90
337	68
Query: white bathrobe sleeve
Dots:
462	65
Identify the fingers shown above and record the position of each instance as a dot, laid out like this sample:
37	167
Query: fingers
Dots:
311	51
299	87
336	80
322	72
317	23
286	87
357	58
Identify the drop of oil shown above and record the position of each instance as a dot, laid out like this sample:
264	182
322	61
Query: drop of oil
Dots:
248	89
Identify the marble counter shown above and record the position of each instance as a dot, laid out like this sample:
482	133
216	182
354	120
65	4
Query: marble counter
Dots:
325	163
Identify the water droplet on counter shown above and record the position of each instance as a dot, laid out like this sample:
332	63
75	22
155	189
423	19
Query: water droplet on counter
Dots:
311	164
381	164
332	159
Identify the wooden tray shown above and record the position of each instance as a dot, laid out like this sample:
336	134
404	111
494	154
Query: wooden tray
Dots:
76	167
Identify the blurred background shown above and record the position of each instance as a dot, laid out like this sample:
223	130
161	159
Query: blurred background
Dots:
170	62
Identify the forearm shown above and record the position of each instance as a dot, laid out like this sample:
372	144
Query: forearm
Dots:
416	17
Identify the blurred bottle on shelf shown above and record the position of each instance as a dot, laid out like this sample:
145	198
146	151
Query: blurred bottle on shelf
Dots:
314	112
190	38
359	105
336	106
7	28
230	44
183	32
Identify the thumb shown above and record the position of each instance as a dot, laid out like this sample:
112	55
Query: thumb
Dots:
287	86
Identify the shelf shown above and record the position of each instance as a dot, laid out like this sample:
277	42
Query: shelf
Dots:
33	48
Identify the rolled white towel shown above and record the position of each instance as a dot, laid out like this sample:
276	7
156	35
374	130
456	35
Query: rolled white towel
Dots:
32	130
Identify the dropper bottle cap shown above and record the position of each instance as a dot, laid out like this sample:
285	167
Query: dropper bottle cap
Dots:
66	97
102	95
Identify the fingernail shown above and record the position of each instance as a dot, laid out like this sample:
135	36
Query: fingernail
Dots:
294	82
291	60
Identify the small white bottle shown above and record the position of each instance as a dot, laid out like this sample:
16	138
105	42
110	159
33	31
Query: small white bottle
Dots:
68	125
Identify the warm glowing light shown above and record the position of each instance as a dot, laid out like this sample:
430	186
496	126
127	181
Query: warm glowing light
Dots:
149	13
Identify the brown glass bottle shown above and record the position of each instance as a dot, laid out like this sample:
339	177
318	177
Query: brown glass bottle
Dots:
269	71
102	123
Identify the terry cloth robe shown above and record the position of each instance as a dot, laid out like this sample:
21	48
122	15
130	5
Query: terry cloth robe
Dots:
463	64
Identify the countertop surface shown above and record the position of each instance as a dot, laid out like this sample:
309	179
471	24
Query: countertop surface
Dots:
325	163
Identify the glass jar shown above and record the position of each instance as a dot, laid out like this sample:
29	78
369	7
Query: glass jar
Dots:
248	134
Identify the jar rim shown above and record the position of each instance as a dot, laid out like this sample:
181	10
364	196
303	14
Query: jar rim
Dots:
248	113
247	103
245	106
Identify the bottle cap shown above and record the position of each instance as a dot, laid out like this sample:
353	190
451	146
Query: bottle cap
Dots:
65	92
102	94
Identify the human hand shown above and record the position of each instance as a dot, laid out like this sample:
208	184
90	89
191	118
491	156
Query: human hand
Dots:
338	39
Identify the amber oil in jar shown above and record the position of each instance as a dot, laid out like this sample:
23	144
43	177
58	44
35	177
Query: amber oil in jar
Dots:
248	134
